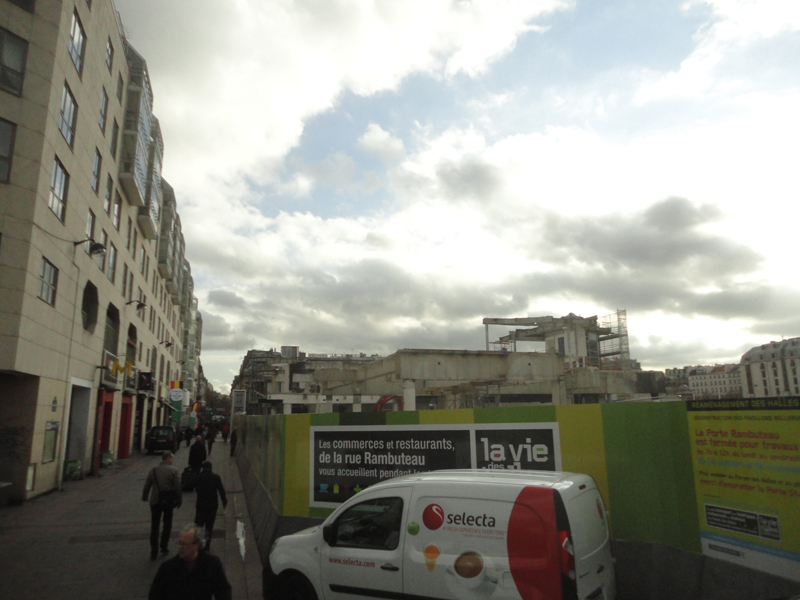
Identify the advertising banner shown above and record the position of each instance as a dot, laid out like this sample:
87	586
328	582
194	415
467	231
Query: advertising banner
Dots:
345	460
747	479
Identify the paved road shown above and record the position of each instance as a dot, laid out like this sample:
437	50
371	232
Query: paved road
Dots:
91	541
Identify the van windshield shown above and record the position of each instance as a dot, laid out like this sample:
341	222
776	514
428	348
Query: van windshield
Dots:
587	520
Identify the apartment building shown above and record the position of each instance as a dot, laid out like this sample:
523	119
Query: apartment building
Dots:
771	369
96	297
717	381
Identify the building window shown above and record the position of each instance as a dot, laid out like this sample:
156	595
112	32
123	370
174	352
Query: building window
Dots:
103	116
141	261
142	299
89	306
96	167
120	86
107	199
114	136
101	257
130	286
124	280
90	221
117	214
111	271
128	235
13	51
69	115
77	43
59	187
49	282
8	132
109	55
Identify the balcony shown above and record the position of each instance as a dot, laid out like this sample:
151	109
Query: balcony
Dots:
133	170
148	220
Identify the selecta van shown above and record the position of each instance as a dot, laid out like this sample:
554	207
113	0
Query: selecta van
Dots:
460	535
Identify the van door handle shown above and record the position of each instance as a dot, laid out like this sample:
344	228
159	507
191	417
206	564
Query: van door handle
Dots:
389	567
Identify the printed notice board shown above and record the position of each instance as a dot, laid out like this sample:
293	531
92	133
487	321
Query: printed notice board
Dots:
346	460
747	479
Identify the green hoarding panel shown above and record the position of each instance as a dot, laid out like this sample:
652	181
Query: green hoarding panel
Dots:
651	486
402	418
363	419
324	419
319	513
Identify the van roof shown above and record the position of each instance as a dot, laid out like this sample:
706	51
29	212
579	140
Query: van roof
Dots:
503	477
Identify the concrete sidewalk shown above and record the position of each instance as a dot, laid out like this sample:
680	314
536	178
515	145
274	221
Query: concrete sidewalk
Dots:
91	541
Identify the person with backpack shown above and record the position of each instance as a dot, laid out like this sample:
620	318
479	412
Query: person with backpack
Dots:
197	454
163	489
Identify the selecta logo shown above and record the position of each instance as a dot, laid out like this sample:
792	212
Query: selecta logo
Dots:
433	516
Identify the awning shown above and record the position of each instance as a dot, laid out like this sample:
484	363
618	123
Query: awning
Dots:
168	405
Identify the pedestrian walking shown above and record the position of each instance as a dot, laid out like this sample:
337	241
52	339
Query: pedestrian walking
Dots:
226	430
189	435
208	486
234	439
193	574
197	454
211	437
163	489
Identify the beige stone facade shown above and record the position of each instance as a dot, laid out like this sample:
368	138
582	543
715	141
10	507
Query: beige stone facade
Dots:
81	321
771	370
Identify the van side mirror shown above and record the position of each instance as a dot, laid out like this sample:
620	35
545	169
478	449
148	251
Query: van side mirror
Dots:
329	535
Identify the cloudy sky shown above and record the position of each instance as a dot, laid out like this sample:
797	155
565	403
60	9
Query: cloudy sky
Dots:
369	175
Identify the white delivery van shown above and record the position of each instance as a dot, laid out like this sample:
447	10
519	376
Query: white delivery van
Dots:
460	535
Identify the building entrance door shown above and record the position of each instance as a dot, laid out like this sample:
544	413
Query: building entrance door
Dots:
78	432
137	424
125	418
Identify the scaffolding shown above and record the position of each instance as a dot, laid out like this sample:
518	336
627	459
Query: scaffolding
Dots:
614	348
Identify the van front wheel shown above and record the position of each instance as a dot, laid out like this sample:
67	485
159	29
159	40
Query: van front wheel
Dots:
297	587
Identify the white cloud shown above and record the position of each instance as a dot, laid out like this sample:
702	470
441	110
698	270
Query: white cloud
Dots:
381	143
737	24
234	82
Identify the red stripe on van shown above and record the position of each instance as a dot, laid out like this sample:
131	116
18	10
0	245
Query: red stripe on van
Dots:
532	545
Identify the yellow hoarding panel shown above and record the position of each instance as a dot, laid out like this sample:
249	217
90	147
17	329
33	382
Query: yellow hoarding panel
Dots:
296	461
582	443
747	476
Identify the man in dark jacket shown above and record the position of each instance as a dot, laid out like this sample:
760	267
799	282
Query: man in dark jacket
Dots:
191	575
197	454
208	485
162	478
234	439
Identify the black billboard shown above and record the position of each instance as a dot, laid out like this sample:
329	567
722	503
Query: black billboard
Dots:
345	460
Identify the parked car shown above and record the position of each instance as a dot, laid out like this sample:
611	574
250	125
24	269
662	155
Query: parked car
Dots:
161	437
455	535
